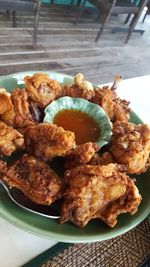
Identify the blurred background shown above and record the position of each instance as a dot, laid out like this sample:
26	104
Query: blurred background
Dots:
60	35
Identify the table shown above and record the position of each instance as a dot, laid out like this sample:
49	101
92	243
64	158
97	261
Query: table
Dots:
17	246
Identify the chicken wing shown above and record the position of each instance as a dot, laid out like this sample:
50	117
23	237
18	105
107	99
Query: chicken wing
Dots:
80	88
115	108
35	179
82	154
129	202
42	89
131	146
10	140
46	140
89	189
19	116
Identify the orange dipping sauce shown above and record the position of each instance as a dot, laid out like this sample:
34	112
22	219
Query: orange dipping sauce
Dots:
84	127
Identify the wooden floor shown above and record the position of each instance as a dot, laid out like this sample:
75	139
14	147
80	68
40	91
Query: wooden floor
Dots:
69	48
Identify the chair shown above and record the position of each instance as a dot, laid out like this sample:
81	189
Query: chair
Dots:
23	5
107	8
147	12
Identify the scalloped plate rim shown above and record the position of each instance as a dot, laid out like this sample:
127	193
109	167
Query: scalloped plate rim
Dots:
106	136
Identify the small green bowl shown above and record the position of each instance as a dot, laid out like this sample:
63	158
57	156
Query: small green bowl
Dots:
92	110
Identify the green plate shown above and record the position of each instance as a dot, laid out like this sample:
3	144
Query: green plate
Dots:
95	230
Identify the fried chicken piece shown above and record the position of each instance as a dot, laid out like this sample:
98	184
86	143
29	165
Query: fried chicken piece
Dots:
35	179
90	188
81	88
115	108
82	154
46	140
129	202
10	140
42	89
5	100
131	146
103	159
19	116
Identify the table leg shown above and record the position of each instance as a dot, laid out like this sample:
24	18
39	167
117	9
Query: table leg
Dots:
135	20
14	18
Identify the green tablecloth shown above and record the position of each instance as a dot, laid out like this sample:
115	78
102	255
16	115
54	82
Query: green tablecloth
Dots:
135	1
68	1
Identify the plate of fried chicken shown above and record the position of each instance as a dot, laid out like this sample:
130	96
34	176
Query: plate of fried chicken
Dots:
103	192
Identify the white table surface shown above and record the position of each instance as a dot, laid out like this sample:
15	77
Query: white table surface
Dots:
17	246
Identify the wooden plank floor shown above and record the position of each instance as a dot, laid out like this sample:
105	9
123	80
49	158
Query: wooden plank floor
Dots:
69	48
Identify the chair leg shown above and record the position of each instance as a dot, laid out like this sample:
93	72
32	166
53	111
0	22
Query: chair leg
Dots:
105	19
8	14
135	19
144	16
69	9
98	17
14	19
80	12
127	18
37	13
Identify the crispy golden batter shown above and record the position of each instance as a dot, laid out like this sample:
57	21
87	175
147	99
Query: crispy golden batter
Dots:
35	179
129	202
7	113
90	188
42	89
10	140
19	116
46	140
5	101
105	98
115	108
76	91
131	146
3	168
82	154
121	110
9	117
23	117
103	159
81	88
